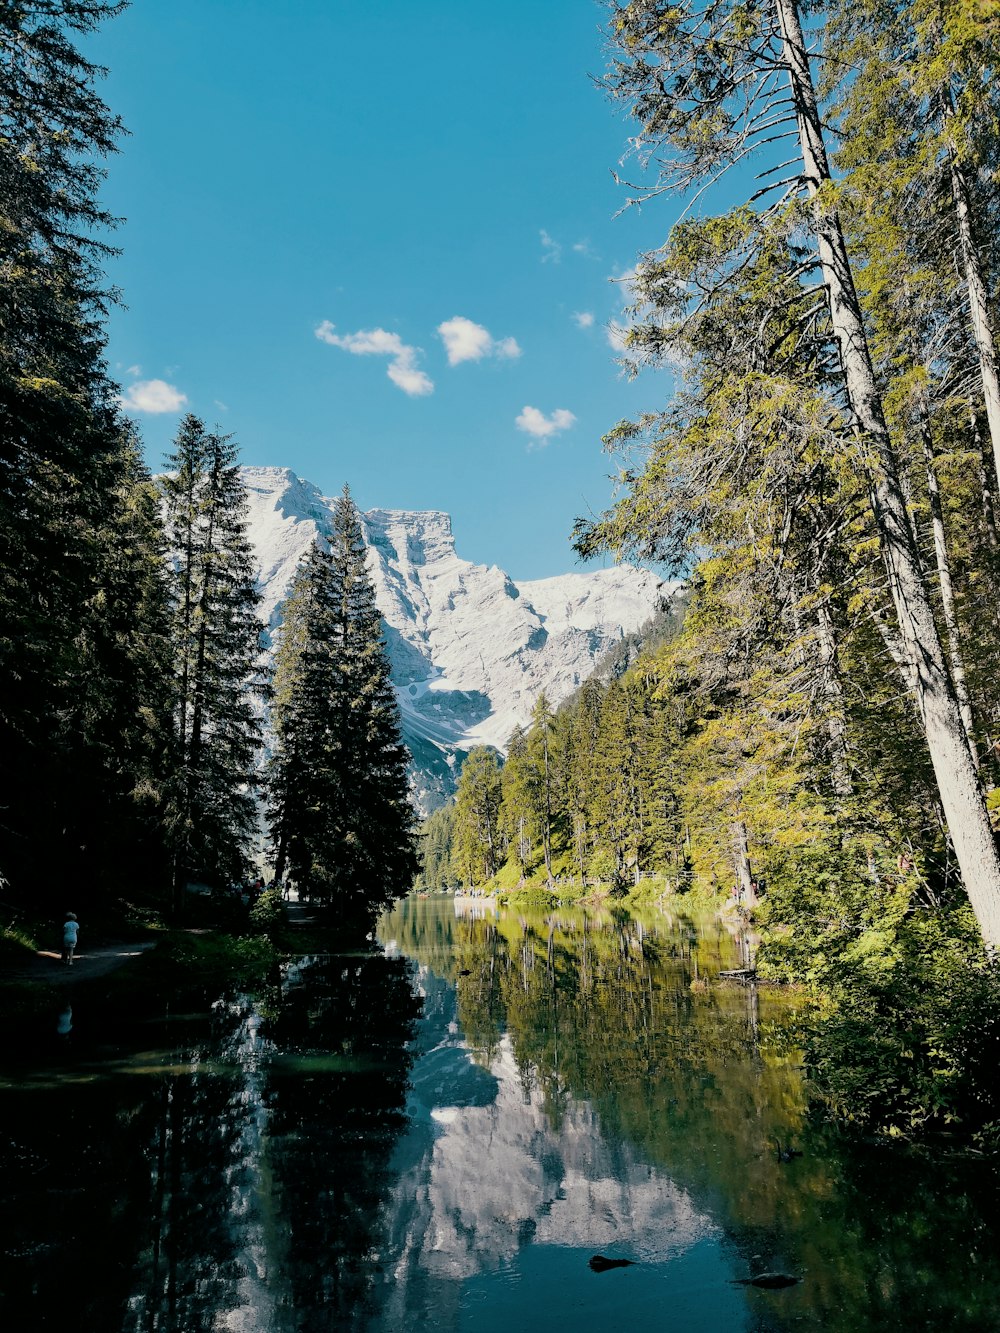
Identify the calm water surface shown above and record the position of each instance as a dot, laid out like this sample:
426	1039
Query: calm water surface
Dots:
441	1135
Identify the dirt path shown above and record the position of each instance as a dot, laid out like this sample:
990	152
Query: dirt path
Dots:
47	965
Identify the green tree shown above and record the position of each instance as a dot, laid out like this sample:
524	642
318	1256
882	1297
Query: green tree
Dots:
437	835
217	666
520	810
340	816
476	852
753	70
82	668
543	760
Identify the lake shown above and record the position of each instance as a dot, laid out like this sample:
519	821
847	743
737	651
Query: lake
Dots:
443	1133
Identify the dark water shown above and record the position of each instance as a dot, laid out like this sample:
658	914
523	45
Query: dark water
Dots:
441	1136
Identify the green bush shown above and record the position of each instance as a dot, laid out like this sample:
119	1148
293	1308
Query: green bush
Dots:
904	1037
268	913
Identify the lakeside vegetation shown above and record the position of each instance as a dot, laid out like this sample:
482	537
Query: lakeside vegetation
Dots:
820	736
818	732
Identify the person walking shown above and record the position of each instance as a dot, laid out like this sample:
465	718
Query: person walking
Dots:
71	930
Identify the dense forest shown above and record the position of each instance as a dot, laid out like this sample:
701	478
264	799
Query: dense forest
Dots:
132	681
811	731
822	732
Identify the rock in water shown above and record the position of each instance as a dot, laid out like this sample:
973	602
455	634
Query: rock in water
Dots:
770	1281
600	1263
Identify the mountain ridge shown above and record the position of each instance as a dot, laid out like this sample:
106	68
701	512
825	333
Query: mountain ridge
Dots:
470	647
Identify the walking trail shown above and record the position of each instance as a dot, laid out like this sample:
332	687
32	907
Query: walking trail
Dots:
47	964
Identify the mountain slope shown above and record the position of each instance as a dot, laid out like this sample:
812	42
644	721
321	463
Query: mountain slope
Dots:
470	648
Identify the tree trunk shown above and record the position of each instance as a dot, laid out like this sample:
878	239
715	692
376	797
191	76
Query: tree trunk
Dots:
985	481
836	729
744	871
957	778
947	588
979	310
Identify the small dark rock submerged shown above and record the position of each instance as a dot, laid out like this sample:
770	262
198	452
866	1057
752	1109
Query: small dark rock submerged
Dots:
600	1263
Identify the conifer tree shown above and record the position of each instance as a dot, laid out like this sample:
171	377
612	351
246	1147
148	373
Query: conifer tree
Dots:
476	850
540	753
436	848
340	818
216	648
520	811
82	671
752	70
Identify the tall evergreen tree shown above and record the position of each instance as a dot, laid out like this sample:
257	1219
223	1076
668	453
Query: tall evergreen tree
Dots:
476	847
82	672
540	752
520	810
216	641
340	818
753	72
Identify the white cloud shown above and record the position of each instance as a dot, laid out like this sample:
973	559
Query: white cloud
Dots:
466	341
402	369
134	370
223	407
539	426
584	319
152	396
405	375
551	250
585	249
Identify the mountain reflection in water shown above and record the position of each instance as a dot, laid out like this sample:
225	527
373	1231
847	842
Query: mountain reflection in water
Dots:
442	1135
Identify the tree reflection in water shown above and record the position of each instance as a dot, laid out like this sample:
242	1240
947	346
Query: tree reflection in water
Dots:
312	1157
232	1181
702	1080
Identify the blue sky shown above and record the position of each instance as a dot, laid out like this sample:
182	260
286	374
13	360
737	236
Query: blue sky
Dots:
376	243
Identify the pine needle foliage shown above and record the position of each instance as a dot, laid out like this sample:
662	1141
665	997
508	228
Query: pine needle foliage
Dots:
216	638
341	823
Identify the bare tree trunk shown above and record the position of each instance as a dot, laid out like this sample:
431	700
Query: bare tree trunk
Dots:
744	871
836	729
975	285
947	588
957	779
985	481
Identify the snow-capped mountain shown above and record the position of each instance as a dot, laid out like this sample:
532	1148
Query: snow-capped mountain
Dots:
471	649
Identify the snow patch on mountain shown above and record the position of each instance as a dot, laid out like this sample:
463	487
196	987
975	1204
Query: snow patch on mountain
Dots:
470	649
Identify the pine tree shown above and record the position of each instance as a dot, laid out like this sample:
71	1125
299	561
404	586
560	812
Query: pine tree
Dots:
540	753
216	648
436	848
339	815
476	851
82	676
719	48
520	811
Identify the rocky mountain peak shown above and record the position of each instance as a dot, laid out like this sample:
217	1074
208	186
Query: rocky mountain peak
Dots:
470	649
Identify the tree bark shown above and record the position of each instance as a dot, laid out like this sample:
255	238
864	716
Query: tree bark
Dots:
949	613
957	779
744	871
840	769
979	309
985	481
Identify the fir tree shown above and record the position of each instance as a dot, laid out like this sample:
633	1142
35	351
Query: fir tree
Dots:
82	669
476	852
216	643
340	818
520	811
